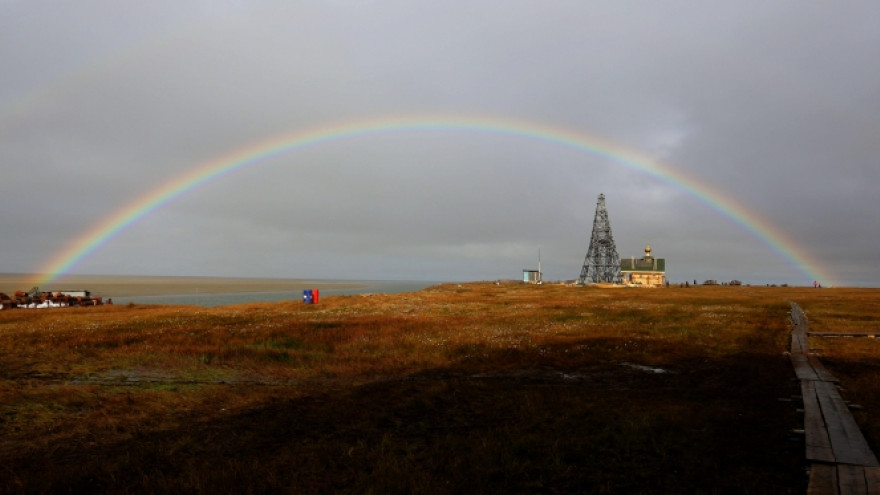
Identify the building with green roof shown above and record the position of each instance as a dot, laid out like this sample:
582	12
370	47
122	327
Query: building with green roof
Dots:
645	272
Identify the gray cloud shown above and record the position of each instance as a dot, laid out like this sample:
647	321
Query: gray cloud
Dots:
773	105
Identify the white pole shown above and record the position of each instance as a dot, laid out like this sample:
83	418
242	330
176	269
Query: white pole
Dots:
540	276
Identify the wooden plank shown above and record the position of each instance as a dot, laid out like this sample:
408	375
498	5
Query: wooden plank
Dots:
843	479
803	347
806	366
799	343
841	334
847	442
872	480
815	435
798	318
821	372
823	480
802	367
851	480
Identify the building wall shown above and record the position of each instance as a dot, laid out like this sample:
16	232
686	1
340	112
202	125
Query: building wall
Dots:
645	278
76	293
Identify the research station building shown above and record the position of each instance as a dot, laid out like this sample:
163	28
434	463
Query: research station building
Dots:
646	272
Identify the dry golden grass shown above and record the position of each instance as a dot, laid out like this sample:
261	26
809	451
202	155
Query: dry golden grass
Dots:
475	388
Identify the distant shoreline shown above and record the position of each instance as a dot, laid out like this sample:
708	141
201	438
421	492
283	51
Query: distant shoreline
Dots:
136	286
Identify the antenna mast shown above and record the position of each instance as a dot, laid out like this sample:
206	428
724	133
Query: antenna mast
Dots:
540	275
601	265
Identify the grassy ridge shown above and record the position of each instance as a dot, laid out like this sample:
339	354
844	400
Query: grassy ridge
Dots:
480	388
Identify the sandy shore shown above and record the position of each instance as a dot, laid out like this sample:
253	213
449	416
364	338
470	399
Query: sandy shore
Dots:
132	286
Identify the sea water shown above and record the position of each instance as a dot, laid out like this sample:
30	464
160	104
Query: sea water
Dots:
222	299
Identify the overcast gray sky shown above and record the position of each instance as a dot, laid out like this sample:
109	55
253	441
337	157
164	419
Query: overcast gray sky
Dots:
776	104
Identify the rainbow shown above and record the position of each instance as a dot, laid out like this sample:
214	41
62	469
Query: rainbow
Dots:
111	226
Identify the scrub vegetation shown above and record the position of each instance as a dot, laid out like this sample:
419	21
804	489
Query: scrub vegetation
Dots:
472	388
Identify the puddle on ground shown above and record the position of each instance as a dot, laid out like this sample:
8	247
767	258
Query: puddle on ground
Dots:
646	369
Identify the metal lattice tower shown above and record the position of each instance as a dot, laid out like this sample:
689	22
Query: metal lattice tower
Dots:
602	263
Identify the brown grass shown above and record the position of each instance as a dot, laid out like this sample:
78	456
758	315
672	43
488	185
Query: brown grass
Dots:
479	388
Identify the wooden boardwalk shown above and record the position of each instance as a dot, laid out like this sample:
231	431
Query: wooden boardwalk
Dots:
869	335
842	463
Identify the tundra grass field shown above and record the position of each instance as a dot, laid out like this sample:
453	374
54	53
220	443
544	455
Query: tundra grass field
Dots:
472	388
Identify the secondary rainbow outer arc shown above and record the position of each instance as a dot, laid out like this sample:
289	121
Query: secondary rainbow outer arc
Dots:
153	200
